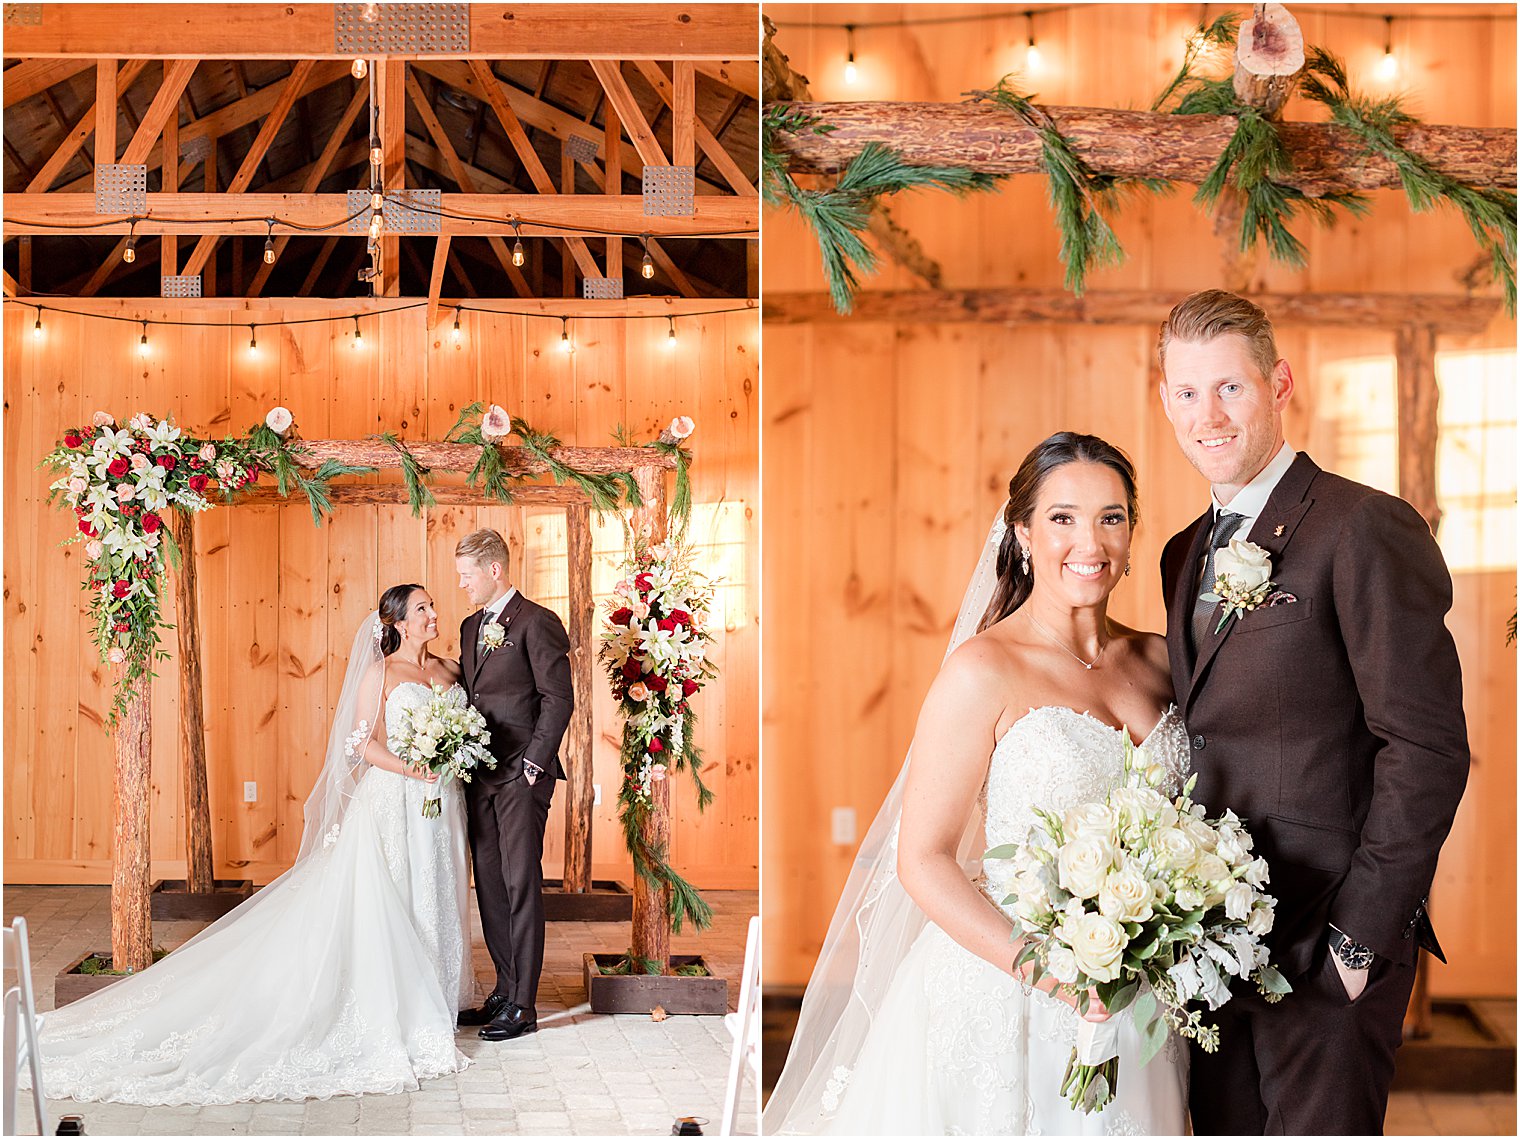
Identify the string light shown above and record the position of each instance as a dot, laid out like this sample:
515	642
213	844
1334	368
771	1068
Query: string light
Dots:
517	249
565	345
456	333
376	155
1388	66
646	267
253	339
142	345
670	338
269	244
37	328
358	336
129	254
376	224
1031	52
360	68
850	71
377	200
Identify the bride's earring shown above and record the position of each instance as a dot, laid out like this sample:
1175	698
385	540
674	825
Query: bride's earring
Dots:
1024	559
1126	567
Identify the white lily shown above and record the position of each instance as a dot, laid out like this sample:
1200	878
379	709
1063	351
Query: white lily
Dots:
110	442
162	433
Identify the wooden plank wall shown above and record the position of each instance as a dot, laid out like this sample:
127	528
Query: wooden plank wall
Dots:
280	598
887	449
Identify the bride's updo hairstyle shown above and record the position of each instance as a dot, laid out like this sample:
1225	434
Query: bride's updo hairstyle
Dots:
392	610
1014	584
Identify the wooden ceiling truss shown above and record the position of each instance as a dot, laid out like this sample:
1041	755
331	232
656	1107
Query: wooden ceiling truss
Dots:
489	129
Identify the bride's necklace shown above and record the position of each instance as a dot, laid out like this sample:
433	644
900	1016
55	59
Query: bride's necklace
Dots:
1060	644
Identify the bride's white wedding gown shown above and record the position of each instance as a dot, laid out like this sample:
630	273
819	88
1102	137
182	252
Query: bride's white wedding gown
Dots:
959	1047
342	976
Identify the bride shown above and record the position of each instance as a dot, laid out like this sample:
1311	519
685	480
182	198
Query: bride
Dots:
913	1022
343	975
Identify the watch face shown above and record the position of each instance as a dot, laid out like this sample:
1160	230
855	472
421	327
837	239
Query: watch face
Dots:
1354	956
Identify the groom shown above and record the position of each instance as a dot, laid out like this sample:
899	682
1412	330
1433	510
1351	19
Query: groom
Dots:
1329	718
517	674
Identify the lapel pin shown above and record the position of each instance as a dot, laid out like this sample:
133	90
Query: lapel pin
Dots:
1277	533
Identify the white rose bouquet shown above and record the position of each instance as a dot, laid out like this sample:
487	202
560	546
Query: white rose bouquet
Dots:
1139	898
445	735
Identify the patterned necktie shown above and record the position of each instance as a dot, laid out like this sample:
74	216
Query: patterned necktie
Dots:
1203	611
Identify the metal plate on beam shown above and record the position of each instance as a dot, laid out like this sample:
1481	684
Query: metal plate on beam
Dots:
179	286
602	288
670	191
401	29
121	188
581	148
19	14
406	211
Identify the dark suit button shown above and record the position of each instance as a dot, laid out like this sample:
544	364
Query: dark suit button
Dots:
1198	742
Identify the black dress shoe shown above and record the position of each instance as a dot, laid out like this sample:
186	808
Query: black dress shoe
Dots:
515	1021
494	1006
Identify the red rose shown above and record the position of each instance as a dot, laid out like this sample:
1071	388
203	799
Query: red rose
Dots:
151	522
655	746
689	687
644	582
72	440
631	669
198	483
168	462
119	466
119	590
680	616
667	625
86	529
253	474
656	683
622	616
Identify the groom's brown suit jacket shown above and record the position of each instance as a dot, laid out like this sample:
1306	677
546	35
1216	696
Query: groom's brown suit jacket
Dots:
1331	723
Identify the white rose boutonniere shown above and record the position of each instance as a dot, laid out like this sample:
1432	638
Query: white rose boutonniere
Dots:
1242	579
492	636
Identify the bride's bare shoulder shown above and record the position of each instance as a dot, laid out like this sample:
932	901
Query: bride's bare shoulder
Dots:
451	667
1149	647
991	661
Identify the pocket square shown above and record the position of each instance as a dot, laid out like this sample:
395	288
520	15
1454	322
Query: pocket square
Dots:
1280	598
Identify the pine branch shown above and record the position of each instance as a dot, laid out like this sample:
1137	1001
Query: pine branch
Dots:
418	495
1220	33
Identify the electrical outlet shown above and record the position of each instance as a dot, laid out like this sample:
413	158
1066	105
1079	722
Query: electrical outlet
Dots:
842	826
596	794
250	792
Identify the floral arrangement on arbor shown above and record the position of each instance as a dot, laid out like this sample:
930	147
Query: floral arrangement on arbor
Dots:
655	651
121	481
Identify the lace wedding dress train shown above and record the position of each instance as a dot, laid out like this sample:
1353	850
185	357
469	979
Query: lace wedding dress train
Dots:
342	976
958	1047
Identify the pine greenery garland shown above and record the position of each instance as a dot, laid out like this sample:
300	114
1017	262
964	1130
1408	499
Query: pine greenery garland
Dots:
489	472
1489	213
840	215
282	454
417	493
1077	194
602	490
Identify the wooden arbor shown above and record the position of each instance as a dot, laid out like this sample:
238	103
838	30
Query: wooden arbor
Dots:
131	935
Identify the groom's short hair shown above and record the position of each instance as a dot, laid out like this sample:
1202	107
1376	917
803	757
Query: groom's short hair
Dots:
485	546
1213	313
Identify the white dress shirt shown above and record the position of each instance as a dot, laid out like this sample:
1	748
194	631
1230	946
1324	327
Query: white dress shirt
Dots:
1252	498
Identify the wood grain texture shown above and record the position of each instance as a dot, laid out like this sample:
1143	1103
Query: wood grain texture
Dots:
889	438
280	598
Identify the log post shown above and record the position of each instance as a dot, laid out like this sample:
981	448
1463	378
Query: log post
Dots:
199	870
1269	57
578	788
131	916
651	904
1418	435
1419	403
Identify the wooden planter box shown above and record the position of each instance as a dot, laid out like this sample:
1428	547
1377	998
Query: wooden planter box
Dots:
702	996
606	901
71	984
172	902
1465	1052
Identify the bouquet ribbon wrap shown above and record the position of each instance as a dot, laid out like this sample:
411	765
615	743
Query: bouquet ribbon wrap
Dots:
1097	1042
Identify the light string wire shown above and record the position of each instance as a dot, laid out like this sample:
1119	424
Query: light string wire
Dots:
244	323
1054	9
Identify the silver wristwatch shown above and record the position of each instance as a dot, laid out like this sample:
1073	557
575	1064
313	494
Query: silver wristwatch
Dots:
1351	954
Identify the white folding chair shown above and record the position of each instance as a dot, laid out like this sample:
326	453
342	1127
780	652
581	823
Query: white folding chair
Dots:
21	1029
745	1027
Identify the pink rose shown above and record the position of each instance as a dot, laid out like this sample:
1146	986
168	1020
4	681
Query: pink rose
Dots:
656	772
78	484
208	452
140	462
93	549
117	655
125	492
639	692
102	419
